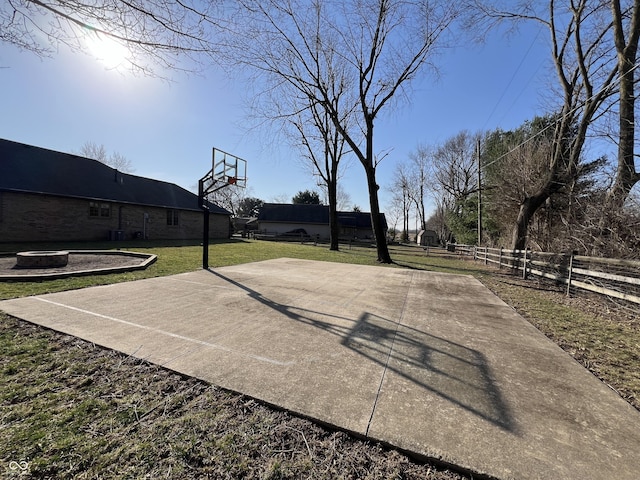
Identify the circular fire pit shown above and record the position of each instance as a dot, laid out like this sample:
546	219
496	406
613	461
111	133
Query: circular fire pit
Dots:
45	259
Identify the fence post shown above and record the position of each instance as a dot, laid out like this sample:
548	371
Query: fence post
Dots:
569	274
524	264
486	251
475	253
500	259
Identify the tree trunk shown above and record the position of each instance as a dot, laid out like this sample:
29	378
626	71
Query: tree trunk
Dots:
376	221
334	227
370	170
626	175
405	216
420	207
527	209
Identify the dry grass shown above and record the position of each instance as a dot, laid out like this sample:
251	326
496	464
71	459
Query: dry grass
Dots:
604	339
71	409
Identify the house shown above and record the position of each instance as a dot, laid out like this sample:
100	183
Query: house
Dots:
278	219
52	196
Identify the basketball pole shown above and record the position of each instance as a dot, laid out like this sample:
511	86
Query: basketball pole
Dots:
215	181
205	224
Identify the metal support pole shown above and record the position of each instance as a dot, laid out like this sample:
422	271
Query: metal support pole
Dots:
205	240
205	223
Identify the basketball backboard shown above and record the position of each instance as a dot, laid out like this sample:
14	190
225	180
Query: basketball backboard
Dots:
226	170
229	169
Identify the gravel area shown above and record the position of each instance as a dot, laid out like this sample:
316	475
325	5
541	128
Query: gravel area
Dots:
77	262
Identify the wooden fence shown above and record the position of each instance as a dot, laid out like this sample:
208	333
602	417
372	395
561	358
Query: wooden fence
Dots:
617	279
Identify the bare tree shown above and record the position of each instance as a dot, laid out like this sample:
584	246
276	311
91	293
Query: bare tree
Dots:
450	172
419	179
162	33
343	198
455	167
517	163
586	74
438	221
99	152
94	151
230	198
307	126
350	57
394	211
324	148
400	197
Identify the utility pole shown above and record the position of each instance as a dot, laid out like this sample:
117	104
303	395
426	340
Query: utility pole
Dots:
479	195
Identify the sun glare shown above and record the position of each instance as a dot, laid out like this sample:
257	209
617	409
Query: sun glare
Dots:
108	51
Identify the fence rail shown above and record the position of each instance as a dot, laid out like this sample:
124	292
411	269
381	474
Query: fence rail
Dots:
615	278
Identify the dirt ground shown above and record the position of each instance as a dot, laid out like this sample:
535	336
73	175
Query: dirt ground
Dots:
77	262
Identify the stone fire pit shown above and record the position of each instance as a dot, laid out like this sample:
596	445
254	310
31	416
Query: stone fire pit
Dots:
36	266
42	259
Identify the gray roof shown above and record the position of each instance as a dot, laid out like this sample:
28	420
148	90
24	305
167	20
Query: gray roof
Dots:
29	169
317	214
294	213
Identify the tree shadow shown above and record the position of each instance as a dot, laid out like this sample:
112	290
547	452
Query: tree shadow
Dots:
454	372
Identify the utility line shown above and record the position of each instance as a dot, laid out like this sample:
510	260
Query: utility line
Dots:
504	92
573	110
520	94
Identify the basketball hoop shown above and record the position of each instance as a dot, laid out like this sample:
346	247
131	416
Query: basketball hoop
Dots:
226	170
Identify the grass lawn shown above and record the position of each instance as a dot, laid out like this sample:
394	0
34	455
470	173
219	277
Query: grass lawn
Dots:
70	409
173	259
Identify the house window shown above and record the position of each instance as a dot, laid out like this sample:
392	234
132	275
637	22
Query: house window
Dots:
172	217
97	209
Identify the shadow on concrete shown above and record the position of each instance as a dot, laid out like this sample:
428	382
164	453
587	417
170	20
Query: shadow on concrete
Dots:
457	373
452	371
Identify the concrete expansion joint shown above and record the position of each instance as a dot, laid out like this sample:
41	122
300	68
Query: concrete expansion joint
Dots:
389	355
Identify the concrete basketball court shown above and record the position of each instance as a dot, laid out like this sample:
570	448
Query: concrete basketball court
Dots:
431	363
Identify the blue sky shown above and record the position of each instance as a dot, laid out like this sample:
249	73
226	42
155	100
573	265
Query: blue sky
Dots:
167	130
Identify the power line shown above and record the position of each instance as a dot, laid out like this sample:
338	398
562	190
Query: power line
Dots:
504	92
553	124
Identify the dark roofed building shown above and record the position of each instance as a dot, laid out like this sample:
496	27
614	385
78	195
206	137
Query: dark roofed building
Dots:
279	219
53	196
